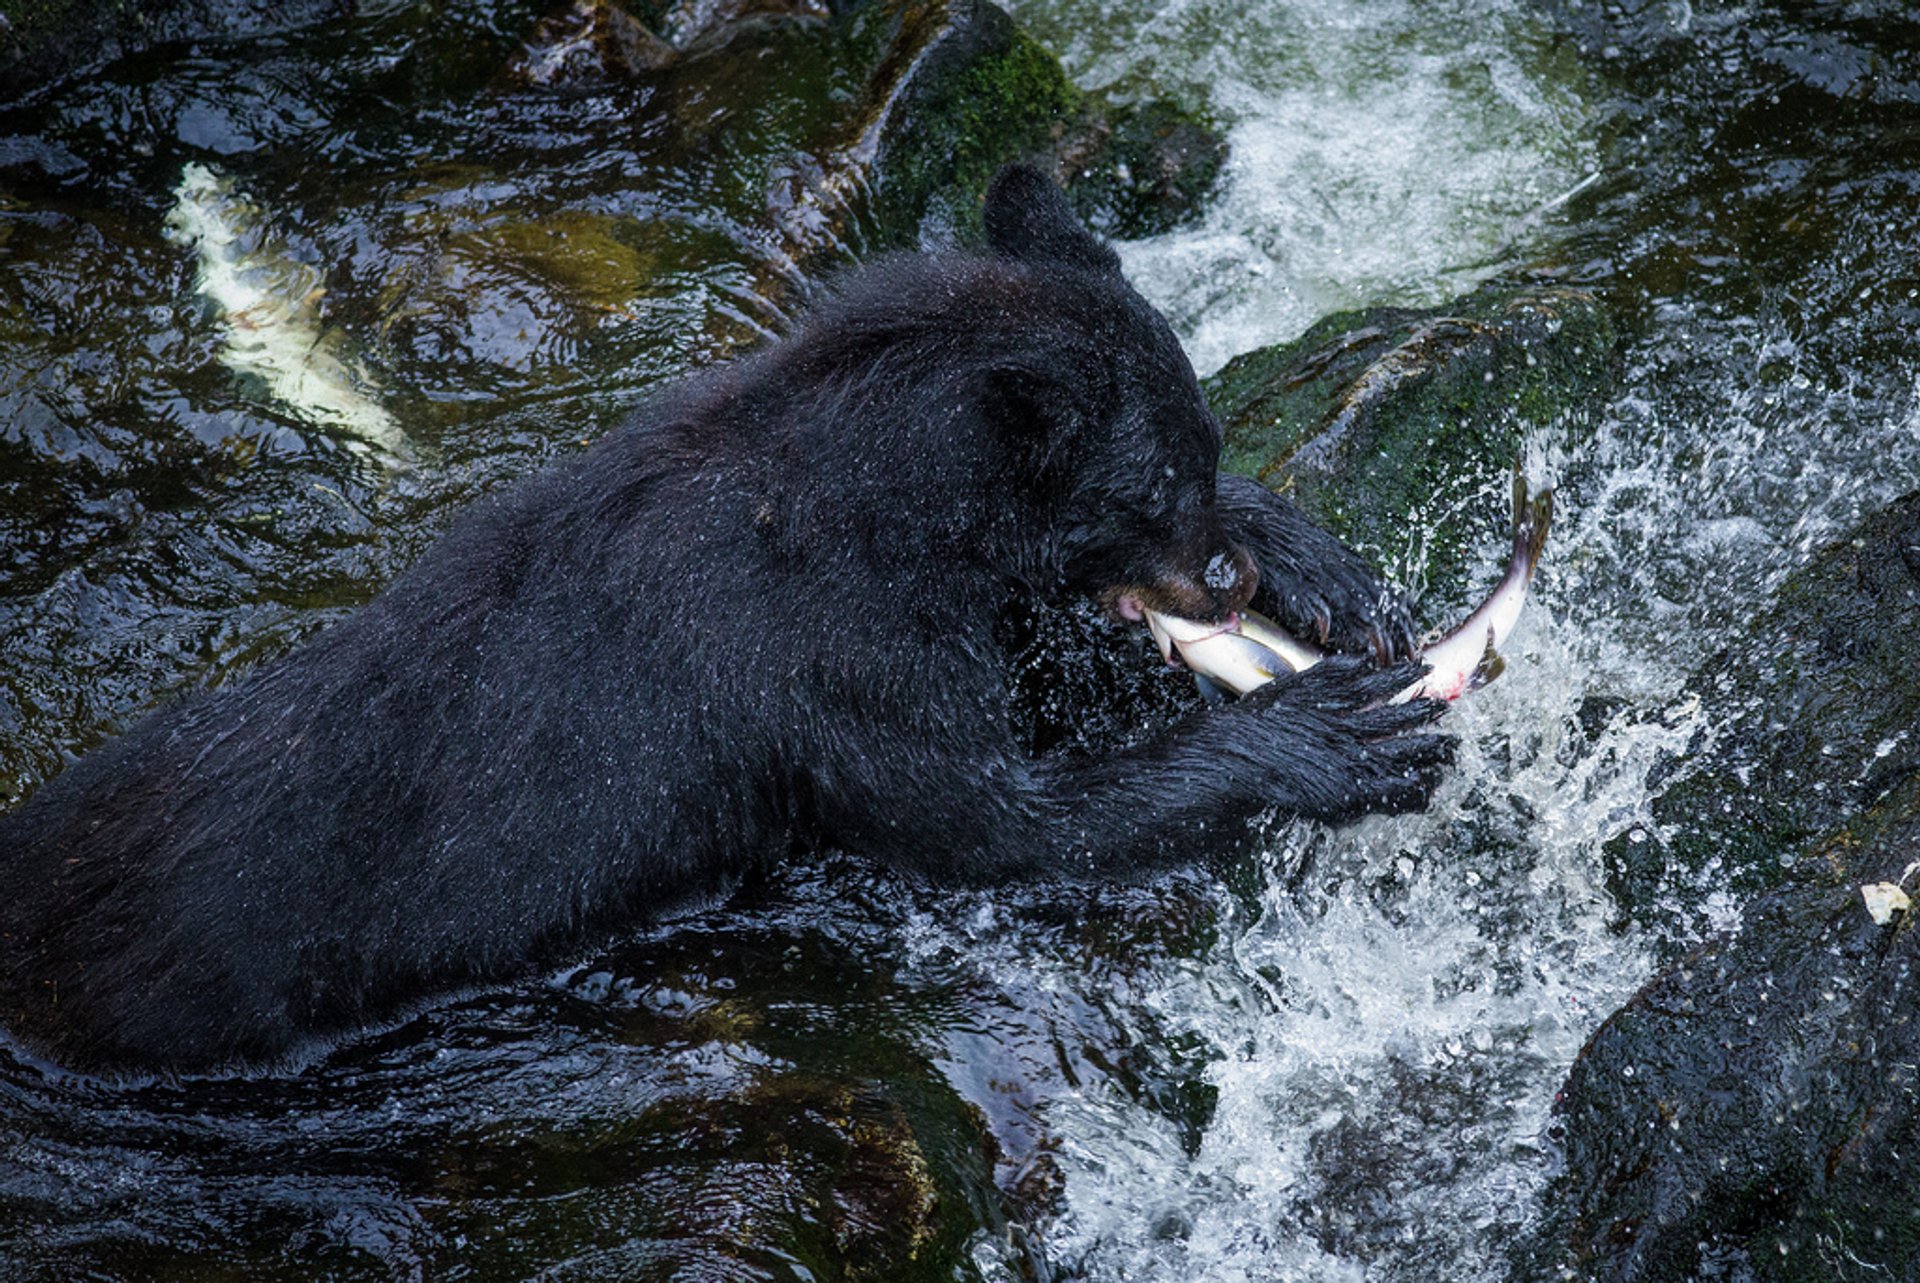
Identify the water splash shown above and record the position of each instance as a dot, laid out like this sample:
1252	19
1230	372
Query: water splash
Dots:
1388	1016
1382	152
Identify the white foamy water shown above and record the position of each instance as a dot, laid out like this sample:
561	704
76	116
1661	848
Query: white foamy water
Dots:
1383	151
1406	1009
1388	1020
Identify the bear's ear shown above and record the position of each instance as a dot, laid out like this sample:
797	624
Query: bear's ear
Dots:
1028	218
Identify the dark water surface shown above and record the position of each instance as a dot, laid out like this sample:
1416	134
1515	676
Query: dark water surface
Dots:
1332	1061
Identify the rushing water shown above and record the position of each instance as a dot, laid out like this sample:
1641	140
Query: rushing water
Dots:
1383	152
1334	1061
1390	1018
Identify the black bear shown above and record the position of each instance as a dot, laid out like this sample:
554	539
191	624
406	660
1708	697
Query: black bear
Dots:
759	614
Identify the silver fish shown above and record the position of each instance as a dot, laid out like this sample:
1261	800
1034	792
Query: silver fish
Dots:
1250	650
268	307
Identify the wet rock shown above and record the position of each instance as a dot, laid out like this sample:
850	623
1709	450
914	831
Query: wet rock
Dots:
1736	170
763	144
46	41
1139	169
1753	1112
591	41
958	90
1385	421
598	42
1814	717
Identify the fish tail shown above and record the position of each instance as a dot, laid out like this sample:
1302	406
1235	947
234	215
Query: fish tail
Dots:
1532	516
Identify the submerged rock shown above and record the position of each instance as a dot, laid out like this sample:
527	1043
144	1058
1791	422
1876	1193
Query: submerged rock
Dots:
1390	420
1753	1113
760	145
589	42
761	1093
598	42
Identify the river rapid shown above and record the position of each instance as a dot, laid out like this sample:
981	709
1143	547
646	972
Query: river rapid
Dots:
1333	1060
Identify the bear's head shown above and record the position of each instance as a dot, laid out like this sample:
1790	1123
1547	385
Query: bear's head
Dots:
1126	451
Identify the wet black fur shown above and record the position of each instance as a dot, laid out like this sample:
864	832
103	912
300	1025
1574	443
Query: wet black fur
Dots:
758	615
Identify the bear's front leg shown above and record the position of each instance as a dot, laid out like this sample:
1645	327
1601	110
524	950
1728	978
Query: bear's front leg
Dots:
1316	586
1321	743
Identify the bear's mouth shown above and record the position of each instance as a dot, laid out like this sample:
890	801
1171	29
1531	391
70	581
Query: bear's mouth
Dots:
1209	596
1135	603
1168	625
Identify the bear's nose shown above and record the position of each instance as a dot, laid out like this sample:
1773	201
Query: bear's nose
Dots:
1230	577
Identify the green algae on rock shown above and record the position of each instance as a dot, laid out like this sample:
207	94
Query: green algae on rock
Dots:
994	94
1139	169
1380	420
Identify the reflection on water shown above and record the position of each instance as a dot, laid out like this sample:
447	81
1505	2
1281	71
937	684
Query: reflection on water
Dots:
1333	1061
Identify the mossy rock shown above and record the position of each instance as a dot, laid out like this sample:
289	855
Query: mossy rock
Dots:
1813	715
1139	169
1379	420
1752	1112
985	93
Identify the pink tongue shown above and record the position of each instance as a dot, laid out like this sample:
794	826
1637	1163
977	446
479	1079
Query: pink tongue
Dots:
1130	608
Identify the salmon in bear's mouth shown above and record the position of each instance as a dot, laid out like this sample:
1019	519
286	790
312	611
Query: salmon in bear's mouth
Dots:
1250	650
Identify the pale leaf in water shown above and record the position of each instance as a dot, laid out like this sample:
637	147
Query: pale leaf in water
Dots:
1883	899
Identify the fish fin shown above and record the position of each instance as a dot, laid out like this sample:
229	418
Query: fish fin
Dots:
1532	515
1210	690
1491	665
